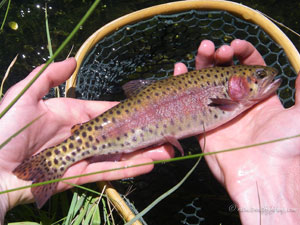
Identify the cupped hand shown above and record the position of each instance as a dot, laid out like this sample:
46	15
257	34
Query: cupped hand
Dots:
58	115
263	181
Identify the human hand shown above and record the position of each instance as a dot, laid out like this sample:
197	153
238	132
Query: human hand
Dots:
58	115
263	179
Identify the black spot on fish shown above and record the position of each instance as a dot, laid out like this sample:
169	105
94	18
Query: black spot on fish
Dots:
48	153
109	144
118	138
222	75
208	75
94	147
55	161
64	148
138	102
250	89
72	137
91	138
87	144
79	141
134	139
156	94
202	77
62	169
216	76
68	158
215	84
49	163
71	145
78	149
83	134
56	151
216	116
103	146
195	82
73	153
148	96
103	137
125	135
90	128
105	119
97	119
122	145
208	83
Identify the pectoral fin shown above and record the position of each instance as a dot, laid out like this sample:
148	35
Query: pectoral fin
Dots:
223	104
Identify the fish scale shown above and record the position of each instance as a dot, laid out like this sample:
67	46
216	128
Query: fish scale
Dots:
156	112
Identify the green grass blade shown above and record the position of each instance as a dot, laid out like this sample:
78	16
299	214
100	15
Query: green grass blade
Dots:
57	52
2	3
6	13
57	93
71	212
164	195
96	217
19	131
6	75
84	188
155	162
48	33
84	209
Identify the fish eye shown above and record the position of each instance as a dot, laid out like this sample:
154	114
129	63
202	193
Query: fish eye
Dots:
261	73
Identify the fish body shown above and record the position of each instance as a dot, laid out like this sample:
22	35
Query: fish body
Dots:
159	112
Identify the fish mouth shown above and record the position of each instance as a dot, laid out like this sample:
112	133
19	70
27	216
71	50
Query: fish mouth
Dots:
267	86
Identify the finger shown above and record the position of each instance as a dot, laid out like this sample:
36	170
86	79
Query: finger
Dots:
180	68
69	112
297	97
83	168
54	75
224	56
247	53
205	55
158	153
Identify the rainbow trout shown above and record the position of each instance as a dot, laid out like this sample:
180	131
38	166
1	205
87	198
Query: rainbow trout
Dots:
156	112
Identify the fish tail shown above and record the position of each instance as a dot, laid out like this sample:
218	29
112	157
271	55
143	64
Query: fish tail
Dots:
37	170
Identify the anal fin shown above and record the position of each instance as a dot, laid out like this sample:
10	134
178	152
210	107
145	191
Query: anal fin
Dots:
173	141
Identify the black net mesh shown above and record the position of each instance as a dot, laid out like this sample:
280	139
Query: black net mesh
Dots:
149	49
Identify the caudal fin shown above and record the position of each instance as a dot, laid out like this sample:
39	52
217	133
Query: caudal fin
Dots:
37	170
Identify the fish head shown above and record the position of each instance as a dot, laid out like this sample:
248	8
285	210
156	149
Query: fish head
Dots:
254	84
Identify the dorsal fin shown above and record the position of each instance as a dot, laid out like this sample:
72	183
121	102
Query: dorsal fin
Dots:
133	87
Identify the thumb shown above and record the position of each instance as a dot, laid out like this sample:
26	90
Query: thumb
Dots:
297	87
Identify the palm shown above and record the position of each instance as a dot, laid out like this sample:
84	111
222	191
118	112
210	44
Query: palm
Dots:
255	174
